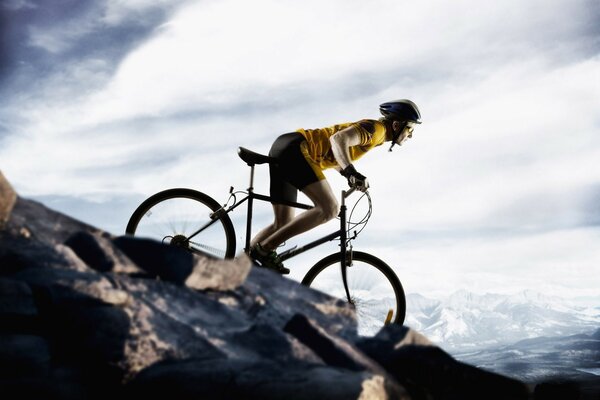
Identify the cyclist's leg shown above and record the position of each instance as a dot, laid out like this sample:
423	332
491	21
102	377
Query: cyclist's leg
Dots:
282	215
293	171
325	209
280	191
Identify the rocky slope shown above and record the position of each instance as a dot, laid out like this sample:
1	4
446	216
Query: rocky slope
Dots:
87	315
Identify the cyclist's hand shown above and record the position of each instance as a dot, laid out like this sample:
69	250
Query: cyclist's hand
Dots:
359	182
355	178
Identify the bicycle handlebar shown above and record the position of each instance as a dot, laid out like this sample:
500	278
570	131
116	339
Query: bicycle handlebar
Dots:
347	193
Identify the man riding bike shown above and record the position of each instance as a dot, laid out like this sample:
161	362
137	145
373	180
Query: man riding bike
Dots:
303	155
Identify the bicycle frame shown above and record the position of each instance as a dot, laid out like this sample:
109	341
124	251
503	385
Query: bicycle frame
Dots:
341	233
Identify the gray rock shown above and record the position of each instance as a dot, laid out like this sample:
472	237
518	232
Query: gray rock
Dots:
94	252
173	264
334	350
426	371
8	198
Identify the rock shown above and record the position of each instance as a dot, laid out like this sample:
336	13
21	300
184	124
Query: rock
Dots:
173	264
91	251
33	221
557	391
267	297
23	355
18	312
99	252
334	350
218	274
8	198
337	352
426	370
265	380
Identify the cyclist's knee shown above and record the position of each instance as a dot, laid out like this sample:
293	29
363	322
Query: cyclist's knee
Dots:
330	211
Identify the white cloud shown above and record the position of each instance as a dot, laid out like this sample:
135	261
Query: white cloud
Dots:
509	95
562	263
518	135
214	53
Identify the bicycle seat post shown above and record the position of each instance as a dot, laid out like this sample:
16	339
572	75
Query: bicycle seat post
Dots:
251	187
249	210
251	158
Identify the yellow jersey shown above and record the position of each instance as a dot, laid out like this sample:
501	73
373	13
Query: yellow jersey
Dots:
317	148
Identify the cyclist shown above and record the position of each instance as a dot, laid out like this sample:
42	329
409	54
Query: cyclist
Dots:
303	155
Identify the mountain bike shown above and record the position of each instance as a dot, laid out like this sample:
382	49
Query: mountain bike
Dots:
196	222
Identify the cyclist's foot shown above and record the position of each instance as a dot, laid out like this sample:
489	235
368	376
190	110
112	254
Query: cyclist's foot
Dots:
268	259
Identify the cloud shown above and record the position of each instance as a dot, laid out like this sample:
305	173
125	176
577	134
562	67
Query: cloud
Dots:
14	5
111	100
198	61
551	262
197	66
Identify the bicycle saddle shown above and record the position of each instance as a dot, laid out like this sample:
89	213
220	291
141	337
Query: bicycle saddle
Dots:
251	158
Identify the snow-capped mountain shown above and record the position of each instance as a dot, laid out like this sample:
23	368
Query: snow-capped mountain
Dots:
465	320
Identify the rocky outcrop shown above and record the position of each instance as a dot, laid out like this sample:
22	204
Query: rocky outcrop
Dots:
88	315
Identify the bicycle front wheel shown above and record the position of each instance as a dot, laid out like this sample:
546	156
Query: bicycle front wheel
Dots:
375	290
185	218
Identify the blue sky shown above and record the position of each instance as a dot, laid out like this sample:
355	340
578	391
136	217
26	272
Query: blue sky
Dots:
105	103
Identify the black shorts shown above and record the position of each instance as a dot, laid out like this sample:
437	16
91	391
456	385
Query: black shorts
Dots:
292	172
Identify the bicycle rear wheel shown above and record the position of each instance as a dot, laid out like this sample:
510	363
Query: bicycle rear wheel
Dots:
171	216
375	290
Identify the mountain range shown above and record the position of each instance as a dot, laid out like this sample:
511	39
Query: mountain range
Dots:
527	336
465	321
574	357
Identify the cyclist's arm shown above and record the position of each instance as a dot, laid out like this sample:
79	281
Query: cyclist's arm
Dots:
341	142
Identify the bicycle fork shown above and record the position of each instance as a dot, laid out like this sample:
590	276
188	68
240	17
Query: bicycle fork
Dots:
346	253
344	261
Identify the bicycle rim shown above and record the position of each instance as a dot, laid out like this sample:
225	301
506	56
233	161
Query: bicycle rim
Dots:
173	215
374	288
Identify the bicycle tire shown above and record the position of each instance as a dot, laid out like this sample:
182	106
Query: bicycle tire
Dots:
219	240
326	276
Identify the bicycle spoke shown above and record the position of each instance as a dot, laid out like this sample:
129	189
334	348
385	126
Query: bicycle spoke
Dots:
212	250
172	216
375	291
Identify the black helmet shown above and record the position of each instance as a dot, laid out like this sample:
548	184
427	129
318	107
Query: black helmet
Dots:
401	110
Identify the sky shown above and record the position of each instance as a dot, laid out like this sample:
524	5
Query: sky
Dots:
105	103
